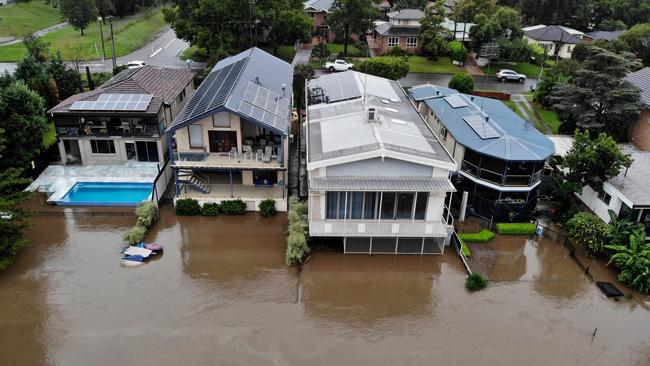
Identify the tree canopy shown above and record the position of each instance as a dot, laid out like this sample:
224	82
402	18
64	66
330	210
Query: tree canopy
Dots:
352	17
467	10
462	82
432	30
11	196
637	39
502	26
78	13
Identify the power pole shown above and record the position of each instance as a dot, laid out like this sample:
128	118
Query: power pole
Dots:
110	23
101	35
250	19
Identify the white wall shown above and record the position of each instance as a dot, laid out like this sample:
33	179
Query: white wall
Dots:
590	198
455	149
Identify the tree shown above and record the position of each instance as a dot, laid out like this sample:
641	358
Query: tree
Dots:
598	98
290	25
352	16
561	73
79	13
503	24
36	47
35	75
104	8
633	261
22	117
457	51
68	81
409	4
591	162
389	67
467	10
12	194
462	82
638	40
432	30
589	231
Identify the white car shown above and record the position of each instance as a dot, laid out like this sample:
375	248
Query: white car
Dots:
135	64
338	65
509	75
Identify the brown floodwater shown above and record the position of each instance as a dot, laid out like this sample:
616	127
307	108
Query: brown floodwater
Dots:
221	295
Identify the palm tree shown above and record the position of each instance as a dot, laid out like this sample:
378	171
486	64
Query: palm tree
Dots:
633	261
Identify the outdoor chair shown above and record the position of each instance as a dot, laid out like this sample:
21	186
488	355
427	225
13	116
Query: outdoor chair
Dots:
259	155
267	154
233	153
248	153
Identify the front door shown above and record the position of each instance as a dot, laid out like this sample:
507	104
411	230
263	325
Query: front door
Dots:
222	141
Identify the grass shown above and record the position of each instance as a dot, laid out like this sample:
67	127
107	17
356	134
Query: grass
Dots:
549	117
18	19
538	124
131	33
286	53
482	236
442	65
514	108
194	53
465	250
476	282
336	48
518	228
49	136
530	70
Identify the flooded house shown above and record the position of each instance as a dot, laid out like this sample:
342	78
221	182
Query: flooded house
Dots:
230	139
379	178
500	157
122	120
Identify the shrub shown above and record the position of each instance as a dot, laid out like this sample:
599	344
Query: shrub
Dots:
457	51
135	234
589	231
297	248
462	82
396	51
390	67
517	228
187	207
298	206
465	249
210	209
147	213
475	282
233	207
267	208
482	236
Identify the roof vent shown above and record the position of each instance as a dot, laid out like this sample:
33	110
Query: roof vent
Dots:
437	92
471	98
372	115
257	80
284	90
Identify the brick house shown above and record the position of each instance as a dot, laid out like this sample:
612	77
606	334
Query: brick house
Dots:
402	30
318	11
639	133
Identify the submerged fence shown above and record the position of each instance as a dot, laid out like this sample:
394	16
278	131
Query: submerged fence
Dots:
455	242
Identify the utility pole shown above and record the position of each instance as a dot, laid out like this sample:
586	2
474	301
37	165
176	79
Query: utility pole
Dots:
110	23
250	19
101	35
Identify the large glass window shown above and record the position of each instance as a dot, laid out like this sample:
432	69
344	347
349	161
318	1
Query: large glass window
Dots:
411	42
356	205
388	206
404	205
221	119
421	205
393	41
370	205
196	135
332	204
102	146
342	203
365	205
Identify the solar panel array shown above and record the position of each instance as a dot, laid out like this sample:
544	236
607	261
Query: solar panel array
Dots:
481	126
265	106
455	101
336	87
115	102
212	93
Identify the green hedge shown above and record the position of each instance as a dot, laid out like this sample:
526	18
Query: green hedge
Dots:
297	247
522	228
482	236
187	207
233	207
147	214
210	209
465	249
267	208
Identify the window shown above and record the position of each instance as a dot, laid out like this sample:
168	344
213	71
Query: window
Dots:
196	135
221	119
605	197
102	146
411	42
404	205
421	205
393	41
356	205
332	204
388	206
443	133
364	205
370	205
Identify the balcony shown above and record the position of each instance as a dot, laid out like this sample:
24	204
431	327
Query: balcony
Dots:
509	180
203	159
377	228
108	129
227	191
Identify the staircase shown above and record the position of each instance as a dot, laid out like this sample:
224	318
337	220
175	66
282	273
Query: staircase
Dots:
195	179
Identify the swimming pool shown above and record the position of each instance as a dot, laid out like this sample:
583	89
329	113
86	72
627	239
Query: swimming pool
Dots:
106	194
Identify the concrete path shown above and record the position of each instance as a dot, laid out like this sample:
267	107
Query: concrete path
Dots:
302	55
472	67
39	33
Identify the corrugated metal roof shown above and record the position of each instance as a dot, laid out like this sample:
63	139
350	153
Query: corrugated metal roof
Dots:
606	35
634	182
518	140
383	184
422	92
641	79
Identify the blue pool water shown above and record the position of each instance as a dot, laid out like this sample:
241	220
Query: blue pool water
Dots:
107	194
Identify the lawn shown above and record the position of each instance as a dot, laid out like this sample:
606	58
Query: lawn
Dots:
131	33
514	108
530	70
286	53
18	19
49	136
336	48
538	124
442	65
550	117
194	53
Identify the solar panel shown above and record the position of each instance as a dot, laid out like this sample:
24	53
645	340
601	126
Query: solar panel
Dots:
481	127
335	87
115	102
455	101
265	106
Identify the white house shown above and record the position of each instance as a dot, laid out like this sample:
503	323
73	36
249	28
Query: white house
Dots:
378	176
558	40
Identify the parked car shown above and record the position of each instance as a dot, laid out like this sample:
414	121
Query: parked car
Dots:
338	65
135	64
509	75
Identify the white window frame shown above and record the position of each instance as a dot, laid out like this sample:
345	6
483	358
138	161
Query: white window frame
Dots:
195	144
393	41
410	43
221	120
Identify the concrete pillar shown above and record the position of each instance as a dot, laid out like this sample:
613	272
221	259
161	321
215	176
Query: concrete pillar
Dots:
463	206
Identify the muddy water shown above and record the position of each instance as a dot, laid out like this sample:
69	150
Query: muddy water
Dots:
221	294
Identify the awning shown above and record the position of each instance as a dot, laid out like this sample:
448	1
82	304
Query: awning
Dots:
381	184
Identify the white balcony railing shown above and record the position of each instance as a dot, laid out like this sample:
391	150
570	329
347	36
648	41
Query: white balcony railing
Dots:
351	228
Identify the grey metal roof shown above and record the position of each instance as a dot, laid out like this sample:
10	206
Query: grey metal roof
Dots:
387	29
427	91
411	14
342	128
554	33
518	140
320	5
253	84
634	183
641	79
606	35
384	184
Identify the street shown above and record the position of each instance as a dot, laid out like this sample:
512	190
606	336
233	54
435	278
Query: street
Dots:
480	82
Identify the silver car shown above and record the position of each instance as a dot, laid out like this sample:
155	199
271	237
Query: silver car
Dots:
509	75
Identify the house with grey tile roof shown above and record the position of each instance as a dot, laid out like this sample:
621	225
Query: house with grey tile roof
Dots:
500	157
639	133
378	176
123	119
318	10
559	41
230	139
608	36
401	30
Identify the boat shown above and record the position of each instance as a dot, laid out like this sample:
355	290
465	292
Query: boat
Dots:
155	248
132	260
134	250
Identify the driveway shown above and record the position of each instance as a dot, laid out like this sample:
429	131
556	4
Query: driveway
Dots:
480	83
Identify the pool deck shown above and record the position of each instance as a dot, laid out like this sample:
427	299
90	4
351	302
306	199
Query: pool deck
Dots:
57	180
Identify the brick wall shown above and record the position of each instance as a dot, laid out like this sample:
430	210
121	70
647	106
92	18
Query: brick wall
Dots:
382	43
639	133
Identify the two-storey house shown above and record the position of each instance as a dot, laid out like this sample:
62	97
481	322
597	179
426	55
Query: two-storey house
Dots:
402	30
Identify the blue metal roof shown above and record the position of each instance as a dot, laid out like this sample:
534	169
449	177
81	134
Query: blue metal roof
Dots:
420	93
252	84
518	140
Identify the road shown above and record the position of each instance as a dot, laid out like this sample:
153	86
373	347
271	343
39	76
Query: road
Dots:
163	51
480	82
